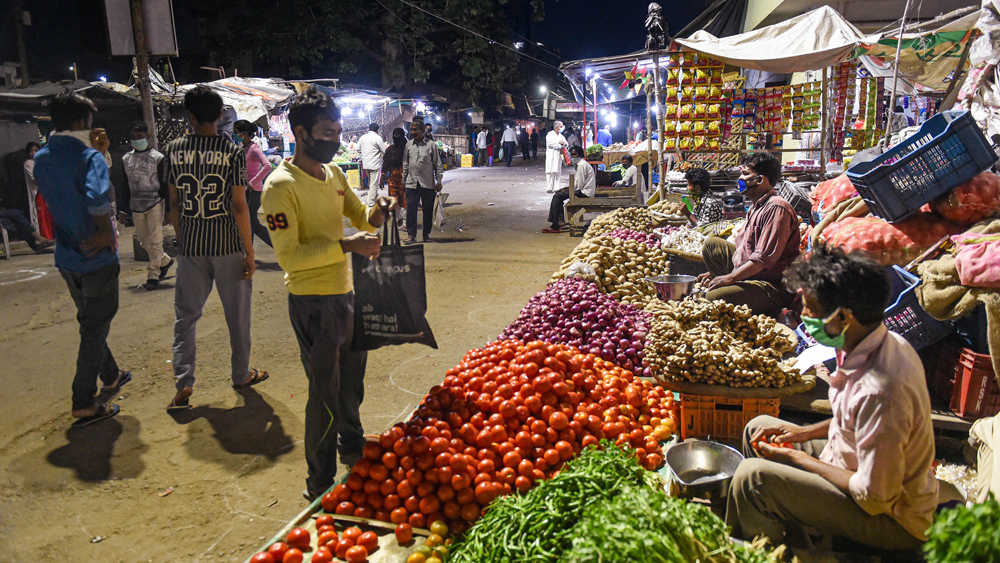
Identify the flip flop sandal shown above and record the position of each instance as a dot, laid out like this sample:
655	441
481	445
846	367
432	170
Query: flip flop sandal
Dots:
123	378
106	411
176	405
258	376
550	230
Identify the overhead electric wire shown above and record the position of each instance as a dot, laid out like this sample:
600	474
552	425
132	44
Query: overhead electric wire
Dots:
477	34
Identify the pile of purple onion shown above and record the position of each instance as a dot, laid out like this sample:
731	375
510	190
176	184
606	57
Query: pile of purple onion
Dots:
573	312
628	234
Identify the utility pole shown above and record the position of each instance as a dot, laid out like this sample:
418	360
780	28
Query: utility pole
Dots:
142	67
22	49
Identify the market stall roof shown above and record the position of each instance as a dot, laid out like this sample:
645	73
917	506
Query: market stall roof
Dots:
250	97
814	40
41	90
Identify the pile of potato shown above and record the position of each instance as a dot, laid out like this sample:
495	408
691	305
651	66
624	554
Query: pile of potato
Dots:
717	343
632	218
619	267
667	207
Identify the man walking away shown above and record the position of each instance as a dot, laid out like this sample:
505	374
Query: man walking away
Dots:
422	173
508	140
147	206
73	177
372	150
604	136
481	146
524	141
207	177
534	143
306	200
473	145
258	167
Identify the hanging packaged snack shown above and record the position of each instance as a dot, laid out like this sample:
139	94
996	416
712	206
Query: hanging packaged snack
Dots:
687	93
673	76
684	143
714	128
714	143
674	60
687	111
700	111
670	110
701	93
714	93
713	110
717	75
670	143
700	143
686	128
699	128
671	93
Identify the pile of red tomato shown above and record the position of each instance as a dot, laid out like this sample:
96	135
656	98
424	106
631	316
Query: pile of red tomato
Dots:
352	546
505	418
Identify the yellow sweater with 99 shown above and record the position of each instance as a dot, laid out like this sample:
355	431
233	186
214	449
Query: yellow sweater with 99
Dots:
305	218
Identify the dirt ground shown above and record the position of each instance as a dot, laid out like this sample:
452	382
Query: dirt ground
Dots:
235	462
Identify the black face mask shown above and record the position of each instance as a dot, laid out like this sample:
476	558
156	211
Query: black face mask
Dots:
321	150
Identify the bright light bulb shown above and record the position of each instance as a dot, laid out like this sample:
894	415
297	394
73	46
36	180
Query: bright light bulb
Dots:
347	112
103	78
636	125
470	114
543	89
588	72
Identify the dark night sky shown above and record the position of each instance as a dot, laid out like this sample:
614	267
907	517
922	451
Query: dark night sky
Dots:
67	31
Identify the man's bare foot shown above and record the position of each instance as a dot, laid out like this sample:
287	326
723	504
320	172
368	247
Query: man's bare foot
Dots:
181	399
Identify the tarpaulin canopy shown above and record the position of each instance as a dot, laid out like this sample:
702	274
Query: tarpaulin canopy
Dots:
930	56
814	40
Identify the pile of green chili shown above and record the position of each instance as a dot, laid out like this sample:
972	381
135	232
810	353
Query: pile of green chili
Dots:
602	507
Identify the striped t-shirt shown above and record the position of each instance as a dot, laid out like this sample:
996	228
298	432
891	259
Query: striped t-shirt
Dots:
205	169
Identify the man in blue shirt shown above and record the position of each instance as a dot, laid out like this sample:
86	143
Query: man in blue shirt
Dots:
604	136
73	179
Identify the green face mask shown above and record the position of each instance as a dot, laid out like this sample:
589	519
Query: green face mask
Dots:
817	329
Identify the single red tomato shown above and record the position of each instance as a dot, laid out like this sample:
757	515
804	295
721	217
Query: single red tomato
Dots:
341	548
322	555
298	538
357	554
278	550
369	541
404	533
352	533
292	556
262	557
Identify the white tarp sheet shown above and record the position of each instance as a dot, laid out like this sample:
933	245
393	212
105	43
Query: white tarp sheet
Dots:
814	40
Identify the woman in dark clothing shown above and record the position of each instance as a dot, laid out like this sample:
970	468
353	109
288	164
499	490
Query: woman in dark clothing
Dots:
392	168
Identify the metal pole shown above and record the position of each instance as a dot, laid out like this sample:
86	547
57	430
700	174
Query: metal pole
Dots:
823	132
583	141
142	67
22	49
660	164
595	111
649	135
895	76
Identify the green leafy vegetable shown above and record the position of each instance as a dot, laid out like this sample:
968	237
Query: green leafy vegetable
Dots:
965	535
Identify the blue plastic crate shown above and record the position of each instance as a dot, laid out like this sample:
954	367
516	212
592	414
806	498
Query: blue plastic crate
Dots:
907	318
947	150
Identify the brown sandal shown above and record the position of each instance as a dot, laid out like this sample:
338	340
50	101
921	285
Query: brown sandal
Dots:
258	376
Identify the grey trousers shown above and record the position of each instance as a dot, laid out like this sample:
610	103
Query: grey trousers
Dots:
195	277
765	496
324	327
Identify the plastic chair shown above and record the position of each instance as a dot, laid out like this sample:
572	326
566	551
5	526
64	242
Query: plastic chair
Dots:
6	243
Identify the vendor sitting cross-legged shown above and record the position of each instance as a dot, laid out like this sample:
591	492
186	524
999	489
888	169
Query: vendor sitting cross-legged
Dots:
865	474
585	183
749	272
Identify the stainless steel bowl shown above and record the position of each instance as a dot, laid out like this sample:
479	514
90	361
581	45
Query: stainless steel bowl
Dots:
703	469
672	288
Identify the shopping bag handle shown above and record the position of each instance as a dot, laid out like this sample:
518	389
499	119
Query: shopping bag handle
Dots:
391	238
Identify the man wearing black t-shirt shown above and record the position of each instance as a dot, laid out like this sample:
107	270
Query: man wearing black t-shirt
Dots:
207	175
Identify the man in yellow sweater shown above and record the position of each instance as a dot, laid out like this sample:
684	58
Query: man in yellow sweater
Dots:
306	200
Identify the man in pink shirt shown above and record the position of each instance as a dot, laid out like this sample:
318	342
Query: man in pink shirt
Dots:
865	474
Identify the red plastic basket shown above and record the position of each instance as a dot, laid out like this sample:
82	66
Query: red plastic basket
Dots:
974	391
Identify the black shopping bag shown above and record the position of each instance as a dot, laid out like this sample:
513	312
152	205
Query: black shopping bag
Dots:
390	295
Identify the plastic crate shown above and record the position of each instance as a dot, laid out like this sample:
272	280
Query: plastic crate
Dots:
974	392
946	151
706	416
684	267
907	318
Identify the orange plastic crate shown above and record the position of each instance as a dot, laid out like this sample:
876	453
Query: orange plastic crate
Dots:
704	416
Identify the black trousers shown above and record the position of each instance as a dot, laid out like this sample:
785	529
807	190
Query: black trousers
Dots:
508	152
324	327
18	225
524	150
534	150
96	298
424	198
253	198
556	214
